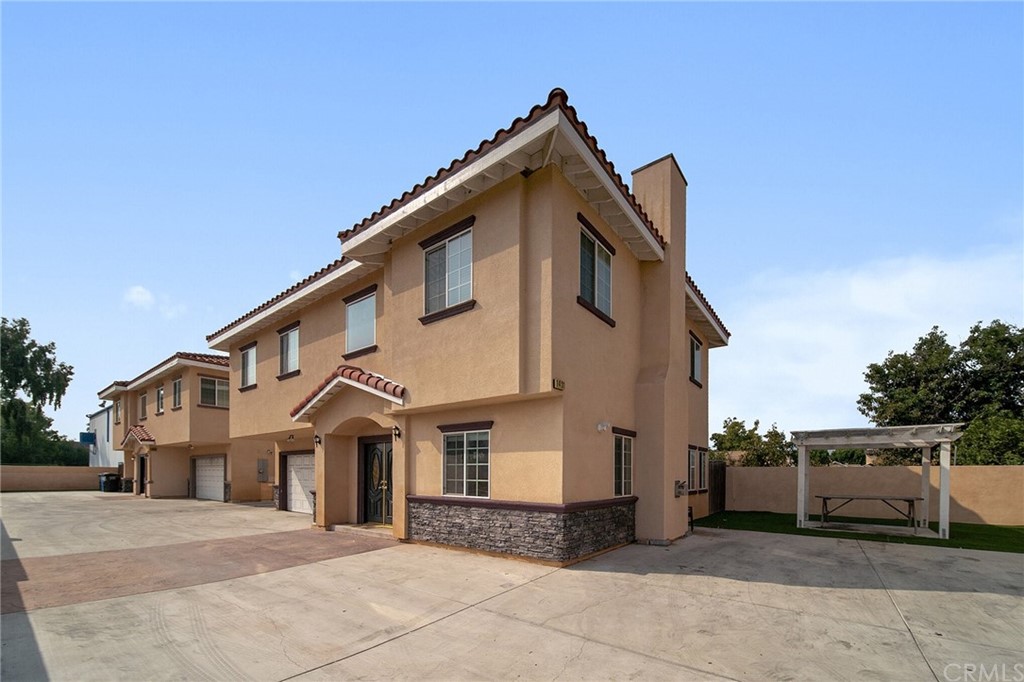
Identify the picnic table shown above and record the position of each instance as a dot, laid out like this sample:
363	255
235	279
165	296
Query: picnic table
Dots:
909	500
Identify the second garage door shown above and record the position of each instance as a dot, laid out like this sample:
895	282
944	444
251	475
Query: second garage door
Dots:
210	478
300	471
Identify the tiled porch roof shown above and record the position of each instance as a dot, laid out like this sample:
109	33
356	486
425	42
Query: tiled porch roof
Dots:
707	304
139	433
347	375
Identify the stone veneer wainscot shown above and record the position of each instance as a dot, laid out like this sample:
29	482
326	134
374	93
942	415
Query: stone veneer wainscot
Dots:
552	532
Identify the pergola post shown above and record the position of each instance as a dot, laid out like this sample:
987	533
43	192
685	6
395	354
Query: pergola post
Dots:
926	487
803	488
944	451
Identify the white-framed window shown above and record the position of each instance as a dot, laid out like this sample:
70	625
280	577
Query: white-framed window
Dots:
213	392
176	393
467	468
361	323
289	340
696	370
159	399
595	272
692	485
248	377
448	272
702	474
143	399
117	411
623	465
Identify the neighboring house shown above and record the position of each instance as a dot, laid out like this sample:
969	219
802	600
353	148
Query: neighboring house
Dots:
510	356
171	424
102	452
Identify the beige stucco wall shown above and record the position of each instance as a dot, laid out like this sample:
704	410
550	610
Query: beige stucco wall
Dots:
15	478
978	494
242	468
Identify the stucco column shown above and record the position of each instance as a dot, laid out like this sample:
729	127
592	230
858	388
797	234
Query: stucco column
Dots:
802	486
399	479
944	450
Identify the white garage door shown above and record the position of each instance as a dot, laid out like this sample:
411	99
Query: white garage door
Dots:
301	479
210	478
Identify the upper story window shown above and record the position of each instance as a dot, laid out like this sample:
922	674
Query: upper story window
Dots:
623	464
448	269
159	399
289	341
117	411
248	365
361	320
176	393
142	405
213	392
696	373
467	457
595	271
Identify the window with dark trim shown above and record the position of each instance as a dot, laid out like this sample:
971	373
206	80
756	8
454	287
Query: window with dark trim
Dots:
467	463
696	370
448	267
248	374
159	399
289	342
692	485
361	320
623	465
595	271
117	411
213	392
176	393
143	399
702	474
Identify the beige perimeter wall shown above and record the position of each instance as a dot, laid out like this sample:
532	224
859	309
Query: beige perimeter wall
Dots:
15	478
978	494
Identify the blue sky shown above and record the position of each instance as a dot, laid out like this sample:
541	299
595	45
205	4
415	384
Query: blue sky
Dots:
856	171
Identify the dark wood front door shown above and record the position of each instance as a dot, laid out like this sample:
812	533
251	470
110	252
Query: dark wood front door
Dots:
377	482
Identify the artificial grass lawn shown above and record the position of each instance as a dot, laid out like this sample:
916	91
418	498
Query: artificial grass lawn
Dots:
962	535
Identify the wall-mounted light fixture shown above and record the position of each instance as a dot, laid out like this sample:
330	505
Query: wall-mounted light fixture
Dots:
602	427
291	437
396	432
191	447
317	440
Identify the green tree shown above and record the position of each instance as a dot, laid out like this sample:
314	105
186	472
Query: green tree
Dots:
30	379
771	449
980	383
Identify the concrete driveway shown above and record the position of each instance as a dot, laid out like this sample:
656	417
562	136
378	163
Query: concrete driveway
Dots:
717	605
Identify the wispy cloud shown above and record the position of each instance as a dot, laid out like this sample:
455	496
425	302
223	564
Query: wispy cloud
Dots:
296	276
801	341
139	296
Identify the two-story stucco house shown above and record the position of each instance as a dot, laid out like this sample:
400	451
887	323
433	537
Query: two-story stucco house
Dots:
510	356
171	423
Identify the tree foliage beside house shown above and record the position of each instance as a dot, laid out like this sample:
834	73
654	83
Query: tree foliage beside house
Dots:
980	382
30	379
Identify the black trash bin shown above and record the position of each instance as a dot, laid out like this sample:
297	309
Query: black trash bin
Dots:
127	485
110	483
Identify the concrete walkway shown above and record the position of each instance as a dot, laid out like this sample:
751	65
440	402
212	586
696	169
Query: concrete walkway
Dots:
717	605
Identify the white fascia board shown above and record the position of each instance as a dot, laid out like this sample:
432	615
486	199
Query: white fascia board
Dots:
570	133
327	390
167	367
724	335
222	341
368	389
492	158
109	392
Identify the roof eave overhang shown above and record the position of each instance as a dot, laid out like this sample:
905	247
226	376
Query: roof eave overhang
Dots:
717	335
169	366
332	389
316	290
112	390
919	436
550	139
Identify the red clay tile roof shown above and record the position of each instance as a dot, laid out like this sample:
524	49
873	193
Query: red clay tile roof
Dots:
139	433
374	381
202	357
704	300
326	270
557	99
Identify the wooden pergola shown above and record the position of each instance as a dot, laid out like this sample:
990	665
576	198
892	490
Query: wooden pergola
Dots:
924	436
